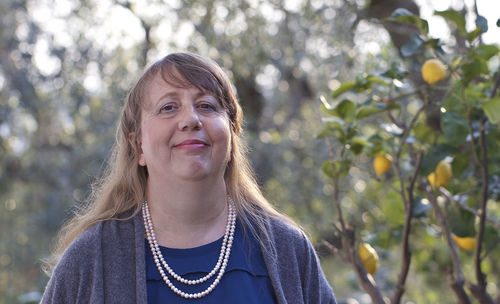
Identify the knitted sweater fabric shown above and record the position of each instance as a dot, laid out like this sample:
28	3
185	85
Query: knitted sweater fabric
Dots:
106	264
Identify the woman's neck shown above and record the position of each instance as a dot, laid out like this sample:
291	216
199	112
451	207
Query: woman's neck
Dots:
188	214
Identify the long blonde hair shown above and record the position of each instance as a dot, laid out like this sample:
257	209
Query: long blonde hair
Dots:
122	187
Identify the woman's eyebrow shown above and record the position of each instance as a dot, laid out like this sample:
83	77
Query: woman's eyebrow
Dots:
176	94
168	94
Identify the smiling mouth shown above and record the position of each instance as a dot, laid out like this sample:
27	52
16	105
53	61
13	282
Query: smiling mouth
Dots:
191	144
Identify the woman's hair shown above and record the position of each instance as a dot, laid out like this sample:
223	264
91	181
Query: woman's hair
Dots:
122	187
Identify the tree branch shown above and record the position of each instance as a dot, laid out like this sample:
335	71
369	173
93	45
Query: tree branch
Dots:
479	290
348	238
406	253
457	280
366	280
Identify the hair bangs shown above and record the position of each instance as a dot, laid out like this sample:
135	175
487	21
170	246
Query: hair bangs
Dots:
192	75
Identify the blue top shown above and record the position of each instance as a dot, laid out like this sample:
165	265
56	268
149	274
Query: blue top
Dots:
245	279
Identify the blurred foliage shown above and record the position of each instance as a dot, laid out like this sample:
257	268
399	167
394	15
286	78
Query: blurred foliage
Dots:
384	113
66	65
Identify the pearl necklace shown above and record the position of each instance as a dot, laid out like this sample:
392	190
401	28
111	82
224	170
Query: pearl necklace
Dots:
219	267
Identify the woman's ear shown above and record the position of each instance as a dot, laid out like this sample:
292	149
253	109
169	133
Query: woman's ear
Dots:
136	143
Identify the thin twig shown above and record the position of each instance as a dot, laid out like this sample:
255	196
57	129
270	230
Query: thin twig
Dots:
457	280
406	253
367	281
393	119
481	293
347	239
405	135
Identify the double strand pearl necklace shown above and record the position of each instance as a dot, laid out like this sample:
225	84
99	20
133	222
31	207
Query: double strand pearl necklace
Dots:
220	266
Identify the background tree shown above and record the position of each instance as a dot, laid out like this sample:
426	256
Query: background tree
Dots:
468	109
66	65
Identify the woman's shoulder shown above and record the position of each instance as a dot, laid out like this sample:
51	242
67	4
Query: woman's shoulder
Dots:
288	238
82	248
88	244
283	229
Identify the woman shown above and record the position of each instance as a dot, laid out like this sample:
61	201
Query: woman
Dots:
178	216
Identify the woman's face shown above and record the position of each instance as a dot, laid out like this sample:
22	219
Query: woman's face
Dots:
185	133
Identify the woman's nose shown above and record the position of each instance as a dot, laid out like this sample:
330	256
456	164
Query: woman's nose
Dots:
189	120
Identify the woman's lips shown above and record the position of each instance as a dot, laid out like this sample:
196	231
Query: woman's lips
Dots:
191	144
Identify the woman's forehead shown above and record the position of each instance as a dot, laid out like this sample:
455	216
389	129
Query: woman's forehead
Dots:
162	84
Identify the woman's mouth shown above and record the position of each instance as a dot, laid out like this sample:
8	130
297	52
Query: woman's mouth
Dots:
191	144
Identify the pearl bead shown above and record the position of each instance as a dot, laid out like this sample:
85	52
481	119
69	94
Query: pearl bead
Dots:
220	266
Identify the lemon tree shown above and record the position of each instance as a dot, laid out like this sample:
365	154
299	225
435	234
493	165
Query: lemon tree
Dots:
438	135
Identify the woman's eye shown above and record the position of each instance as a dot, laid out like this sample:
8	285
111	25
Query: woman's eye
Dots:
207	107
167	108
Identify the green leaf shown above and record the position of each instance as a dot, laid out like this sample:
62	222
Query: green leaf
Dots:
333	126
455	17
474	34
393	208
366	111
461	221
346	110
455	127
392	106
473	96
492	110
326	132
363	82
343	167
433	156
405	16
344	87
328	168
335	122
415	46
491	235
423	133
435	44
498	22
460	163
486	51
474	68
453	100
340	167
351	131
376	145
357	145
326	107
395	72
374	79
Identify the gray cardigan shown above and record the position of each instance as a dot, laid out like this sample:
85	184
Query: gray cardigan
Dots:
106	264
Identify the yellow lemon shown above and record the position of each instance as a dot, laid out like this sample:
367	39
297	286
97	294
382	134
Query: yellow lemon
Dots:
465	243
433	71
368	257
381	164
441	176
